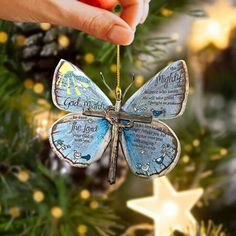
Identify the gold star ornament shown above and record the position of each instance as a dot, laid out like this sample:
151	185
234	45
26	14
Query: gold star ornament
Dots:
169	209
216	27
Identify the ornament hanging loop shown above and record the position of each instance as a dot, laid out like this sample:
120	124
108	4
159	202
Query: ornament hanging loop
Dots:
118	88
118	94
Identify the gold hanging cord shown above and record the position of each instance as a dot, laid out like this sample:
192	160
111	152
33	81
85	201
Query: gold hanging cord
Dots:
118	88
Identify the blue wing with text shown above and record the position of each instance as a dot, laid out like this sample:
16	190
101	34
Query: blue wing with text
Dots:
80	140
73	91
164	96
150	149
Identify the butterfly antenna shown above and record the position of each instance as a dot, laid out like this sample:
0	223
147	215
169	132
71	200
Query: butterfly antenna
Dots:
107	86
128	88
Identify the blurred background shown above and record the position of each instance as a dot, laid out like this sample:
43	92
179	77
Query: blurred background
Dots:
41	195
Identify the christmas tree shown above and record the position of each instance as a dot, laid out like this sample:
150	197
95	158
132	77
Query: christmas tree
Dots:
42	195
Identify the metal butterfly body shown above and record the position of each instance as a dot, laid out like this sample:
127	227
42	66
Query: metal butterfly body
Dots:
150	147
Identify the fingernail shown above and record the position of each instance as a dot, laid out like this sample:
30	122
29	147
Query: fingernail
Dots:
120	35
145	14
143	20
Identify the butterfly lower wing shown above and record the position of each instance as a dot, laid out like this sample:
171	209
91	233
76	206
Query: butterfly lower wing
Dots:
80	140
150	149
164	96
73	91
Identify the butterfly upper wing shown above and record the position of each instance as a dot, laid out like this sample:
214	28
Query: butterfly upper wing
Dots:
79	139
73	91
164	96
150	149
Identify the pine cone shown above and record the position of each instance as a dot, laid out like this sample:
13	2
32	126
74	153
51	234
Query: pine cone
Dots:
41	46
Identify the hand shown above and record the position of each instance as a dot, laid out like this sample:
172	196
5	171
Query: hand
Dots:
100	23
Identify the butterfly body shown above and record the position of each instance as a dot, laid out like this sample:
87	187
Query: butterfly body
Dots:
115	116
150	147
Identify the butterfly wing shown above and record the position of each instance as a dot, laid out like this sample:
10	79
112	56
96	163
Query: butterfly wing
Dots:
80	140
150	149
164	96
73	91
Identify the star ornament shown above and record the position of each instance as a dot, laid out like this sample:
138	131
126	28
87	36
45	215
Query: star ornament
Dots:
216	28
169	209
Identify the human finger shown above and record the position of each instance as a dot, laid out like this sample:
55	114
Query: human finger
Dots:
132	11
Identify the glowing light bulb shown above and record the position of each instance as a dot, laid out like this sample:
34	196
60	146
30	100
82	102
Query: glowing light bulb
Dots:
216	28
170	209
44	122
213	28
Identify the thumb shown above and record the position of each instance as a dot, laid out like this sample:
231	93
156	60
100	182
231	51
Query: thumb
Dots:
97	22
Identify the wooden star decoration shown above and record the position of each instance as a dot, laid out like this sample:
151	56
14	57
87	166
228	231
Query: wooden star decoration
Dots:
216	27
169	209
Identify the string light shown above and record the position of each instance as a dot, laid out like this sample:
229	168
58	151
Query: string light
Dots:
23	176
196	142
28	84
63	41
14	212
223	151
85	194
82	229
56	212
89	58
3	37
38	196
186	159
38	88
166	12
94	205
20	40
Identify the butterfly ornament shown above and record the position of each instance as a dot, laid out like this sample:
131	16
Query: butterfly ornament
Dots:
150	147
